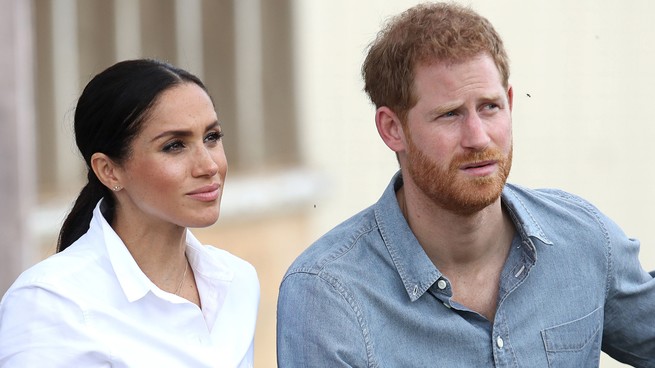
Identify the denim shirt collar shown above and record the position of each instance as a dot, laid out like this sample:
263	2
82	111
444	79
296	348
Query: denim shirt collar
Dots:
524	221
415	268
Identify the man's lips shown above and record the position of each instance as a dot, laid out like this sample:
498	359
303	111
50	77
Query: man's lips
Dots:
206	193
476	165
481	168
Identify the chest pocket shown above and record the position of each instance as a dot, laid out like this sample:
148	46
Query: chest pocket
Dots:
576	343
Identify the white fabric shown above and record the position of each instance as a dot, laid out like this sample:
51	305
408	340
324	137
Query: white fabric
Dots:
91	306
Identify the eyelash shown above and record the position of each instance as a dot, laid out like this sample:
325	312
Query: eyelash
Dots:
215	136
176	145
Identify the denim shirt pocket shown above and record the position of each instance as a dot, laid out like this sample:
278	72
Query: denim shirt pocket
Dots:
576	343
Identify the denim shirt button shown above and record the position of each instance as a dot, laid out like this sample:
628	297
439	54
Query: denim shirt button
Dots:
442	284
499	342
415	291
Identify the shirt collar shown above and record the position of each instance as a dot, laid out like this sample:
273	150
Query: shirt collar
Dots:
133	281
415	268
524	220
204	264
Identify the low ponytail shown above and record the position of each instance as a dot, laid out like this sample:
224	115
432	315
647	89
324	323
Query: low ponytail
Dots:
78	219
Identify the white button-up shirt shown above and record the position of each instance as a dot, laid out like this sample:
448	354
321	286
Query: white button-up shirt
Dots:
92	306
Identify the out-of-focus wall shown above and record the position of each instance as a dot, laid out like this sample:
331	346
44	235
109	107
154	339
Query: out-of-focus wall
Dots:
582	75
17	163
301	135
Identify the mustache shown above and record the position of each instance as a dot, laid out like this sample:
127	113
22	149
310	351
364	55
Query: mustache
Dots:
490	154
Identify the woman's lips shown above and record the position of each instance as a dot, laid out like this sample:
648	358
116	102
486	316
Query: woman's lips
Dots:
207	193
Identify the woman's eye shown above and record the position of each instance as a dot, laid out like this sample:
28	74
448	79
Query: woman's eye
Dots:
173	146
214	137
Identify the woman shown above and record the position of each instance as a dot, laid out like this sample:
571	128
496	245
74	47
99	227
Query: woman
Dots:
130	286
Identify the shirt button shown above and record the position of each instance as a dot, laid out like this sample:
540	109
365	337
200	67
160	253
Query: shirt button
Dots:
442	284
499	342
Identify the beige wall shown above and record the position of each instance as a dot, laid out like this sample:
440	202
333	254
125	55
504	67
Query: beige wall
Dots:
585	126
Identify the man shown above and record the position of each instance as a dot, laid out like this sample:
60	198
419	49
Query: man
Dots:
452	266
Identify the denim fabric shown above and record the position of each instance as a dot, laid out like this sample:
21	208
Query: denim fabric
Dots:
367	295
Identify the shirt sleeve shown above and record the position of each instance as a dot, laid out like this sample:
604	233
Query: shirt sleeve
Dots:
319	324
629	332
40	327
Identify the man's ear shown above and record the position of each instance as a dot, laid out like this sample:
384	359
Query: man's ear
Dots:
390	129
510	97
106	171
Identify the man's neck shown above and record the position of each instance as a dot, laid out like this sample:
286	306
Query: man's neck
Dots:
469	250
453	239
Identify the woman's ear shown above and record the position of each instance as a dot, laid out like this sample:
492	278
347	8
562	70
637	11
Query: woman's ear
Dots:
390	129
106	171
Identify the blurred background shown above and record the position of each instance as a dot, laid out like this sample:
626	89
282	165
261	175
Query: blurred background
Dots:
300	136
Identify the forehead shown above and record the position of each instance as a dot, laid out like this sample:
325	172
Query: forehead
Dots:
451	76
180	106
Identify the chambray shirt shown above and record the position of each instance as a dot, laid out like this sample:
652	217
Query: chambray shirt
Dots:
367	295
92	306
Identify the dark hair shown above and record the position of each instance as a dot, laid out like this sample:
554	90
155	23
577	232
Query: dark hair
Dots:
109	114
440	32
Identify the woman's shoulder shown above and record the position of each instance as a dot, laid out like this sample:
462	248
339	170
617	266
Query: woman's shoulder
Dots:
62	270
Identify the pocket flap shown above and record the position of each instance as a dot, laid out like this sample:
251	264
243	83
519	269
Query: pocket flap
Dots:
574	335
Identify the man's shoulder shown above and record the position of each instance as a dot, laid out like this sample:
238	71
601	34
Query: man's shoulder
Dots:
338	244
550	209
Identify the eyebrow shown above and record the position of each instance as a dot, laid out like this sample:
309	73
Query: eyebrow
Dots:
440	110
183	133
447	107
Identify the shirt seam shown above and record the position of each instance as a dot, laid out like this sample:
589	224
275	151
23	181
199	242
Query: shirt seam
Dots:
584	205
344	293
323	262
354	306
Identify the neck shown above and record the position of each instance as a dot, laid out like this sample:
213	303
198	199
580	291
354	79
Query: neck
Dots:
469	250
159	250
454	241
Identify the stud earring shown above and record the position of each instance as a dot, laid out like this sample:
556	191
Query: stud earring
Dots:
117	188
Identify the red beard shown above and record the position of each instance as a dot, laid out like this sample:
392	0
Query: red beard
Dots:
448	189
